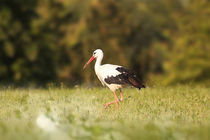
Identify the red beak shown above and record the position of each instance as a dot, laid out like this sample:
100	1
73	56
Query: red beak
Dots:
89	61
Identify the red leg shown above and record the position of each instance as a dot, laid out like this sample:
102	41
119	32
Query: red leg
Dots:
121	96
109	104
116	101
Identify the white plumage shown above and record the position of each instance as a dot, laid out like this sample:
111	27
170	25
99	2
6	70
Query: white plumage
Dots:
113	76
108	70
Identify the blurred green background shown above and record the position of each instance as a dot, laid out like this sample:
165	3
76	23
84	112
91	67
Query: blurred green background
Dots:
163	42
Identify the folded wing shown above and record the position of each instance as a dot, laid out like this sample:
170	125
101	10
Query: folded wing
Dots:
125	77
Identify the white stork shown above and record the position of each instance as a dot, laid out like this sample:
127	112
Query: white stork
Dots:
113	76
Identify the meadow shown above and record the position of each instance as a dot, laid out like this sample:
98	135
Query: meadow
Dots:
160	113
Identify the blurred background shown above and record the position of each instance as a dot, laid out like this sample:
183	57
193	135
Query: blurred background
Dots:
48	41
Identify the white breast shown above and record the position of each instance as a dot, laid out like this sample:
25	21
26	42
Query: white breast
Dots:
108	70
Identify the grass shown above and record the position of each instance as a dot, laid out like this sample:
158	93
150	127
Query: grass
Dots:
175	113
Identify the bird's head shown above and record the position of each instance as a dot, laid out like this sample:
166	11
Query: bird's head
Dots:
97	53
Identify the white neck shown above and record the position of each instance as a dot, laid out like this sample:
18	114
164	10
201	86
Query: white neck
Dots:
98	62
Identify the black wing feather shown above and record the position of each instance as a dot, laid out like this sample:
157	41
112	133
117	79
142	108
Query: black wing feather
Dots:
125	78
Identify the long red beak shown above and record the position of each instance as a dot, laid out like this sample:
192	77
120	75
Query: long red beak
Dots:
89	61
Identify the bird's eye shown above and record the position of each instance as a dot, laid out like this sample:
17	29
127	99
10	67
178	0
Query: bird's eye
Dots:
94	53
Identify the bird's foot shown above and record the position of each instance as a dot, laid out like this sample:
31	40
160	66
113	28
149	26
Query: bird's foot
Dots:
105	107
108	104
121	99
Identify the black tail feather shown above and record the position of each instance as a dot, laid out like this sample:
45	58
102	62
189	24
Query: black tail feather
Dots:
134	81
127	77
143	86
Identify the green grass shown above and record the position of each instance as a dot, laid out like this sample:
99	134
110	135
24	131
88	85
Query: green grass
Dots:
175	113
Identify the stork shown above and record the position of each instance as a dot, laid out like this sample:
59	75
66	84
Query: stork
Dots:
113	76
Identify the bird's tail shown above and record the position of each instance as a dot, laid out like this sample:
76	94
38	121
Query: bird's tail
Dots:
136	82
142	86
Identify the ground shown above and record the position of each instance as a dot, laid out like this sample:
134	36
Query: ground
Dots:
175	113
